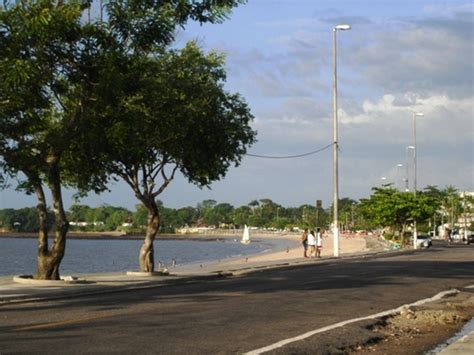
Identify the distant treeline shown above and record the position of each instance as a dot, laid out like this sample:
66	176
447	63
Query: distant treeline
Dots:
262	213
385	208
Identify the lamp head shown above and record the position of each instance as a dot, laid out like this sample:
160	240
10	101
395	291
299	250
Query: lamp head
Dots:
343	27
418	114
410	147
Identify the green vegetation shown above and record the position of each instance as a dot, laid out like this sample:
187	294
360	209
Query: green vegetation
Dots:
68	87
386	209
169	112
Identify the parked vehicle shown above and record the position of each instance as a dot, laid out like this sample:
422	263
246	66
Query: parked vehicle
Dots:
470	238
423	241
461	238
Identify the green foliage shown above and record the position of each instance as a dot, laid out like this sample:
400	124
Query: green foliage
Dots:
104	218
21	220
392	208
388	209
144	26
168	113
140	216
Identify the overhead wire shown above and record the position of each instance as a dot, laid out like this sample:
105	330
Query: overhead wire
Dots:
290	156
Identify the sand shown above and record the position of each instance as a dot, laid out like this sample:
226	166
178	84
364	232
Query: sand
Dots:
347	246
293	253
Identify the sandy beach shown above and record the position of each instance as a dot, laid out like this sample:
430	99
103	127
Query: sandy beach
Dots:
292	252
347	246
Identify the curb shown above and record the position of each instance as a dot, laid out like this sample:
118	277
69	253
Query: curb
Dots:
100	289
65	281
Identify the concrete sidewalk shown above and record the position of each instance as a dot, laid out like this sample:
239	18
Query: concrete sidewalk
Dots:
84	285
463	346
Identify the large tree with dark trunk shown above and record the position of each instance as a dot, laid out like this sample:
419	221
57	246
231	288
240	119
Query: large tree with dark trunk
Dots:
172	114
46	80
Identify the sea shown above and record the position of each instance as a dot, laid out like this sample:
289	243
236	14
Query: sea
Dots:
18	255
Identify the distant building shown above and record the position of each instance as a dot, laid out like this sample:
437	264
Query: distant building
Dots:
466	218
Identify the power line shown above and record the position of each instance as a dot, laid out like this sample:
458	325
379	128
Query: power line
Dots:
290	156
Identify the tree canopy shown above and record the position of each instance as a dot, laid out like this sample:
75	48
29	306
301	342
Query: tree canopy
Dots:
389	207
54	70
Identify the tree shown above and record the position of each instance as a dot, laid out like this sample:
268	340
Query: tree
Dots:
241	215
78	213
186	216
220	213
391	208
115	217
46	80
174	115
21	220
451	204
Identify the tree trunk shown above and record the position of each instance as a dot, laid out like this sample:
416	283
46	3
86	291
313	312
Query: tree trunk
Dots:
146	258
402	237
50	259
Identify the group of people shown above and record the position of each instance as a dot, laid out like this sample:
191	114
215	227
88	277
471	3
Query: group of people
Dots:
312	243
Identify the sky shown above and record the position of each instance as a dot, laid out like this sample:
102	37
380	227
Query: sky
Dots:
399	57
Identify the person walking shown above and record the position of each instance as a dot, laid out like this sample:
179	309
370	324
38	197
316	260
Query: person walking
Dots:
319	242
312	244
304	241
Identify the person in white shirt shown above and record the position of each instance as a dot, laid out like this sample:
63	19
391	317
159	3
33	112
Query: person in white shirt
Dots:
311	244
319	242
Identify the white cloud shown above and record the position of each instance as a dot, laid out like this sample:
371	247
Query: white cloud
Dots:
447	120
430	56
441	9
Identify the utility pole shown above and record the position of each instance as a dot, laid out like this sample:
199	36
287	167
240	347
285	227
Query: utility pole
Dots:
336	145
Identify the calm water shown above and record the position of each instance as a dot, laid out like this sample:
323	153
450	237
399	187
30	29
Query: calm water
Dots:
18	256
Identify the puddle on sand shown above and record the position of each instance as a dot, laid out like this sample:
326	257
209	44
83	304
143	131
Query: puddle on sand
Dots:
468	327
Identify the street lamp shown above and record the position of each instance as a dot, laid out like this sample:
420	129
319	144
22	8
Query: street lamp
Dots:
415	115
352	216
399	166
407	188
342	27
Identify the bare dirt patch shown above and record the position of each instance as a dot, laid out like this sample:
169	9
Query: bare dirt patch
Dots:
416	330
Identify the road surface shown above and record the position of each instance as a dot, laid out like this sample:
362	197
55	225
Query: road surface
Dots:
237	314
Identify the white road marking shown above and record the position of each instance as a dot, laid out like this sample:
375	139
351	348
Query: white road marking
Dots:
341	324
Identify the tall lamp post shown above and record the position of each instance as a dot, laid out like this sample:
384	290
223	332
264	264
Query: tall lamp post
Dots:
399	166
352	216
415	232
343	27
407	186
415	115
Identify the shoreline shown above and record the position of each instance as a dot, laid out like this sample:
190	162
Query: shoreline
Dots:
282	247
166	236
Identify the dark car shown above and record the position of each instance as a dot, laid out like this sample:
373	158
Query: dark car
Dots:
470	239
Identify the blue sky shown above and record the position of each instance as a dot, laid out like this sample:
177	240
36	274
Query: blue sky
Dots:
399	57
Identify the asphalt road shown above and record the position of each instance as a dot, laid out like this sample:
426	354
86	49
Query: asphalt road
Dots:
238	314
